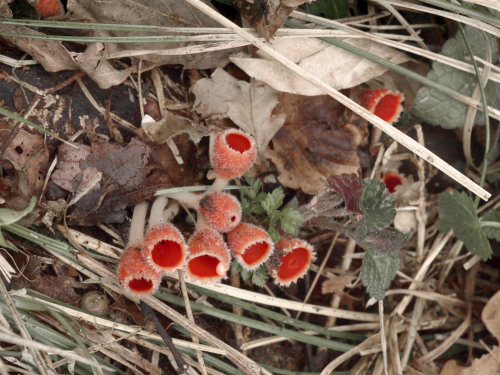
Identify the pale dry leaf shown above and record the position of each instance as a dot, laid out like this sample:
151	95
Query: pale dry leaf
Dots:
333	65
161	131
488	364
248	105
491	315
336	284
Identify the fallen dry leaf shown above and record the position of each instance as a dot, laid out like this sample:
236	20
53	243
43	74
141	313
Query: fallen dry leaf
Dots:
55	57
163	13
248	105
29	155
317	141
491	315
307	155
488	364
333	65
336	284
109	177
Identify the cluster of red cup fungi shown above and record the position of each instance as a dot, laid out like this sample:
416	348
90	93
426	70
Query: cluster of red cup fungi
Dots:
206	256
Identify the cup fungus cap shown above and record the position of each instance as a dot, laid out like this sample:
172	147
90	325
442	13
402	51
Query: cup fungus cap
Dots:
208	260
391	180
250	245
222	211
234	153
295	261
136	276
49	8
384	103
164	248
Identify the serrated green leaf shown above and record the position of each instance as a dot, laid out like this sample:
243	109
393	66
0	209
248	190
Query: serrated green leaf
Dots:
492	232
377	205
377	272
438	108
245	206
274	217
274	234
260	197
290	221
385	240
260	276
273	200
457	212
8	216
254	187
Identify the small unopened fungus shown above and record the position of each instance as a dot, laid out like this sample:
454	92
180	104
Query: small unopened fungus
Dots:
222	211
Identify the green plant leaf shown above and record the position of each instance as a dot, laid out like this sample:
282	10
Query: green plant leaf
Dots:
490	231
8	216
457	212
274	234
258	277
438	108
377	205
273	201
254	186
385	240
377	272
290	221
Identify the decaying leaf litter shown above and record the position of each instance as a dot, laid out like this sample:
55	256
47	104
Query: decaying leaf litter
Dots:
138	124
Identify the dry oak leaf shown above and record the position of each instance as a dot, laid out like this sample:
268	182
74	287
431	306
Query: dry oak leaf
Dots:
333	65
125	176
164	13
248	105
306	155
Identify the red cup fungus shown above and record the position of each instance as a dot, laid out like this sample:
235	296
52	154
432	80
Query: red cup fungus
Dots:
250	245
208	260
295	261
383	103
136	276
234	153
164	248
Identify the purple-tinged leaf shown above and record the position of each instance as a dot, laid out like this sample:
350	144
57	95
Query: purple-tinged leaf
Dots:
349	187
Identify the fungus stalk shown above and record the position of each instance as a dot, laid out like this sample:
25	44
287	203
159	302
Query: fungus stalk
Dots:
136	234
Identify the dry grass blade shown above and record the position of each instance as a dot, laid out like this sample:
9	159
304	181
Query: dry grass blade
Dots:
10	337
291	305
